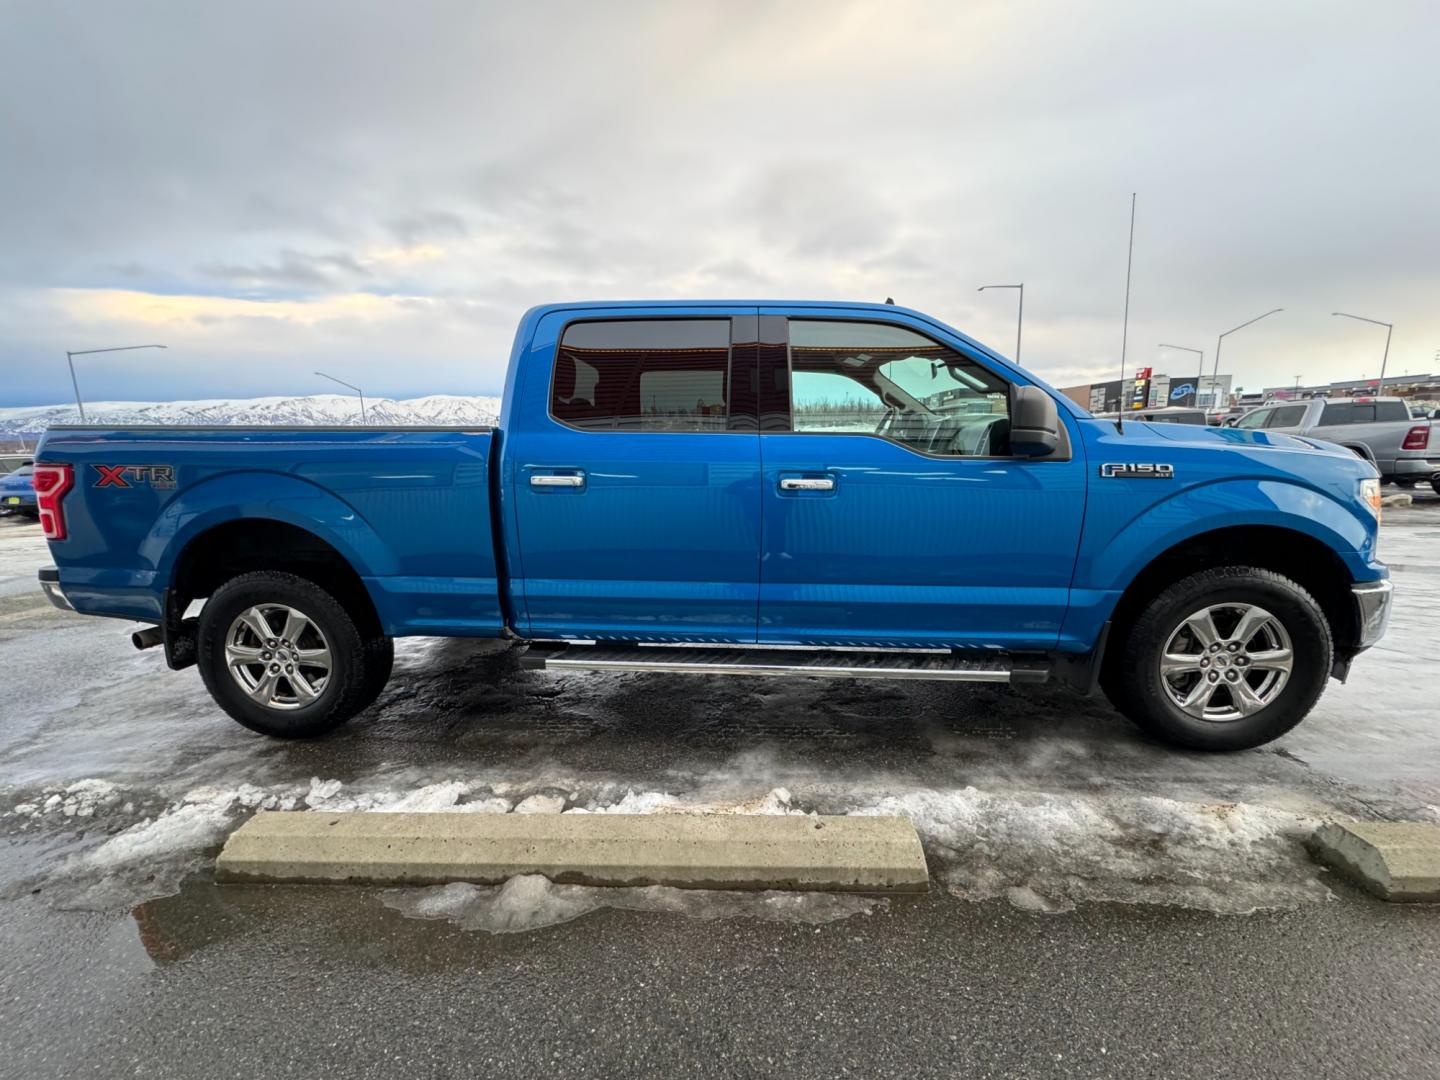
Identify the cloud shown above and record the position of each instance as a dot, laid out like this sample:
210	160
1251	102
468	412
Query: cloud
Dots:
267	184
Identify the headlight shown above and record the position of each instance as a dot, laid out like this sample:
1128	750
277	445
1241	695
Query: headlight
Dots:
1370	495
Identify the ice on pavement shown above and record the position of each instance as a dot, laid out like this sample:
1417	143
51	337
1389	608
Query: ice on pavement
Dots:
532	901
1039	851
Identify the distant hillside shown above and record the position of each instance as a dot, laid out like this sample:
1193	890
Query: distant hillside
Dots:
443	409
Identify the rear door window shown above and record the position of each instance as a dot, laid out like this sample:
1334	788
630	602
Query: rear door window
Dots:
1347	412
1286	416
643	375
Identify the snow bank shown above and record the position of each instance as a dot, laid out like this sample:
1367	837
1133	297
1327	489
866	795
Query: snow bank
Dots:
1045	852
1039	851
532	901
775	801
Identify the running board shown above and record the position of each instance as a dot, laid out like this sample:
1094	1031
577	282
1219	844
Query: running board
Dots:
730	660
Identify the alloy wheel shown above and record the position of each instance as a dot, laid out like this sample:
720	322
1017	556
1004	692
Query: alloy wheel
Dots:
278	656
1226	661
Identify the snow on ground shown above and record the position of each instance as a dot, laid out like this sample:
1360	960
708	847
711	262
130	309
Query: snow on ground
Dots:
1039	851
1046	852
532	901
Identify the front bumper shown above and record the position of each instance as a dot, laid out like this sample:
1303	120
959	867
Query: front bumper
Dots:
50	586
1372	606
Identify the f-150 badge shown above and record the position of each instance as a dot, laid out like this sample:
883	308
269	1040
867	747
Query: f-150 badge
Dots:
1131	471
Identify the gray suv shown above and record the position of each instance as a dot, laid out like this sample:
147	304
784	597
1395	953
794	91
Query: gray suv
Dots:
1406	451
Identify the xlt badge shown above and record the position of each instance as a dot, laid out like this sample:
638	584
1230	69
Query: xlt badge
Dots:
1130	471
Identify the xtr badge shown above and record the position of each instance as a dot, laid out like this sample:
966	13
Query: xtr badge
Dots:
124	476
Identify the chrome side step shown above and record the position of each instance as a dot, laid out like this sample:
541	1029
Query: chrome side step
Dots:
732	660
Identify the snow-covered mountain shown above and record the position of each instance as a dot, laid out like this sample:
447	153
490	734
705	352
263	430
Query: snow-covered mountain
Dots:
444	409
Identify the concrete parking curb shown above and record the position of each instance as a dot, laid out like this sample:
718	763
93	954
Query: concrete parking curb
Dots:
1395	860
719	851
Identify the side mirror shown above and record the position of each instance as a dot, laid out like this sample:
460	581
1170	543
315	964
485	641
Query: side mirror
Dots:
1034	422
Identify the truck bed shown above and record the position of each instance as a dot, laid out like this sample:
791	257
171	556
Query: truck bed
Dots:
409	508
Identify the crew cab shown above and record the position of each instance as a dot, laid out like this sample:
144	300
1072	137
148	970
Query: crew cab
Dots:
1381	430
764	489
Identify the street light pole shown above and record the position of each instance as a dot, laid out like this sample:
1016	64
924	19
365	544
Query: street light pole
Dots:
70	359
1389	329
1020	317
1198	352
357	390
1220	341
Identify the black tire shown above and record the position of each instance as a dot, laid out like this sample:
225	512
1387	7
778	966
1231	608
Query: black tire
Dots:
379	662
1405	482
354	677
1435	483
1136	687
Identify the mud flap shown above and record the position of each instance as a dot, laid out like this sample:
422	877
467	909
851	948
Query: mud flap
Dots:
181	634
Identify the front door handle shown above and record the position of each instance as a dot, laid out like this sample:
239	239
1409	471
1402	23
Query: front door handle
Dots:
807	483
544	481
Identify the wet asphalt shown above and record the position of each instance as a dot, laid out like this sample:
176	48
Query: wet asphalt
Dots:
315	982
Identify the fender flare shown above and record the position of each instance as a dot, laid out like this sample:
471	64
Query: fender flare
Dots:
266	496
1223	504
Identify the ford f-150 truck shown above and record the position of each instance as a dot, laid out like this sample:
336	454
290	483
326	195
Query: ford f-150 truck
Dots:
793	489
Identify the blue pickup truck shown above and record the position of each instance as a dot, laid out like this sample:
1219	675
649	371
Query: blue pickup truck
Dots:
792	489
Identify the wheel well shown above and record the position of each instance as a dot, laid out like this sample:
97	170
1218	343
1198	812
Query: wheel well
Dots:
240	547
1308	562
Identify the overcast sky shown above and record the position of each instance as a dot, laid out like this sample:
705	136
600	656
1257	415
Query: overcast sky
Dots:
379	190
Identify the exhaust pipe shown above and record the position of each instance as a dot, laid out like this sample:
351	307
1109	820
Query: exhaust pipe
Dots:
148	638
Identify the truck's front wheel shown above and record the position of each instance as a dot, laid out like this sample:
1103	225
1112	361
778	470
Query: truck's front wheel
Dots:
284	657
1225	659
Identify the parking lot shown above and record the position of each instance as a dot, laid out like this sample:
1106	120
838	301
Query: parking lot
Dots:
1100	904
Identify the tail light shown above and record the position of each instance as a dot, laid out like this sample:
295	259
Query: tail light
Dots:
1416	438
51	484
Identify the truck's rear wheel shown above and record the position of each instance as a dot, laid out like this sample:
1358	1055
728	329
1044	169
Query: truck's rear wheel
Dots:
285	658
1225	659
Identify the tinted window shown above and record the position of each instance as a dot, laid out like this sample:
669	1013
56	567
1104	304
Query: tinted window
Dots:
1350	412
643	375
874	379
1391	410
1286	416
1254	419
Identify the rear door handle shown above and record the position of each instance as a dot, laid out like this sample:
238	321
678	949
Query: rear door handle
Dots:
568	481
807	483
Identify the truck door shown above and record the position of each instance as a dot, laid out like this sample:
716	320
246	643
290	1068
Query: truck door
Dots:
893	511
633	456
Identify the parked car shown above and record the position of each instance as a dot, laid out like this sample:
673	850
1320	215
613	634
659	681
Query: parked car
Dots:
800	489
17	492
1381	430
1176	414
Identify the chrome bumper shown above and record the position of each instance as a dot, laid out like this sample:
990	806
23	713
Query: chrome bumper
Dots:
1372	605
50	586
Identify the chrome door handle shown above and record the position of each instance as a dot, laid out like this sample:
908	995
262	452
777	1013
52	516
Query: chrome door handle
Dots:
557	481
807	483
